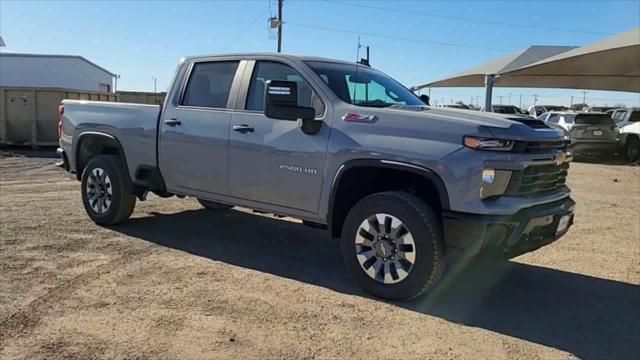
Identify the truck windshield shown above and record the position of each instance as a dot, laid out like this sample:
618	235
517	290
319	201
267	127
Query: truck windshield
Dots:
363	86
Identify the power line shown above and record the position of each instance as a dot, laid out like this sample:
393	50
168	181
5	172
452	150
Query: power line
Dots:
384	36
456	18
243	30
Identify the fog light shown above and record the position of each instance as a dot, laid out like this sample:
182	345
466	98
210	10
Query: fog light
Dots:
494	182
488	176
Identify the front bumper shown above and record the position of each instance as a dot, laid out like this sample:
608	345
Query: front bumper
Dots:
467	235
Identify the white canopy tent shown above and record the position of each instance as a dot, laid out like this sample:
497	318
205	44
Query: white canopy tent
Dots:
609	64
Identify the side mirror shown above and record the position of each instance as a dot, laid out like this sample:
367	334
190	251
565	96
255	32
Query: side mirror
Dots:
425	99
281	101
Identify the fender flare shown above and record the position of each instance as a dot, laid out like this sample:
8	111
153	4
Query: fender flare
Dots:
387	164
78	142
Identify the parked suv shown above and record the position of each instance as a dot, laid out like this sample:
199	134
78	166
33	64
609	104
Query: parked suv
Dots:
406	187
590	133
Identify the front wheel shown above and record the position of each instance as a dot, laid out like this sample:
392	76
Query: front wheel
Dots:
392	245
106	190
632	148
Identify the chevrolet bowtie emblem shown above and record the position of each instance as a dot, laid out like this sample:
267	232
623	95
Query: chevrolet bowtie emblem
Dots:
560	158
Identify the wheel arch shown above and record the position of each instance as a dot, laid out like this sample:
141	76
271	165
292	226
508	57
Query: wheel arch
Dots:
338	207
93	143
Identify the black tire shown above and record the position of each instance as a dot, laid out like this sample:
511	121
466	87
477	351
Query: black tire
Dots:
122	200
214	206
632	148
425	228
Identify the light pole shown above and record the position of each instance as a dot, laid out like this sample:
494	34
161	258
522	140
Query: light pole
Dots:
155	81
509	99
520	101
115	87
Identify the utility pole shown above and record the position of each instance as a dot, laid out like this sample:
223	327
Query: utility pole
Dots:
535	100
509	99
571	104
279	25
584	97
500	97
155	81
115	87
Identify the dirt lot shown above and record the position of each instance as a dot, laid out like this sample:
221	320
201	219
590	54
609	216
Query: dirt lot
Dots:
181	282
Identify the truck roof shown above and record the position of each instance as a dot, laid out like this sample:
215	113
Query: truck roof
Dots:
280	55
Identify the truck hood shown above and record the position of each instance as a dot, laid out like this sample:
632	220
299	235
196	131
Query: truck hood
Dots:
458	122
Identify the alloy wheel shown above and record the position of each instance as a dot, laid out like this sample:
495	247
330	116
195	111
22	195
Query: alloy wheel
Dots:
385	248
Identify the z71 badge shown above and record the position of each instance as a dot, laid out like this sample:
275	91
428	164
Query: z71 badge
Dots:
299	169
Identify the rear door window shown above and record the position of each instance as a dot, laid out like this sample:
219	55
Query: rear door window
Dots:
554	118
210	84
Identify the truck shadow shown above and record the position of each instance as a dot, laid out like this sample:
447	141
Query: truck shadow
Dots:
590	317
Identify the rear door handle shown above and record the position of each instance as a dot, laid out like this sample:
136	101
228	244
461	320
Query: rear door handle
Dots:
243	128
173	122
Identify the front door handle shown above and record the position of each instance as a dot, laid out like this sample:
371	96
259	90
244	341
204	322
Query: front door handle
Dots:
243	128
173	122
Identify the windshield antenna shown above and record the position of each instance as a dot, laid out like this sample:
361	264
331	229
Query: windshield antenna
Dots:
355	83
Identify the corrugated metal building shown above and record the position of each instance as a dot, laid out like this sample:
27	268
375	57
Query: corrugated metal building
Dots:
53	71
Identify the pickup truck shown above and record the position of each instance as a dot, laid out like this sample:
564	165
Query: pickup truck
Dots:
628	122
407	188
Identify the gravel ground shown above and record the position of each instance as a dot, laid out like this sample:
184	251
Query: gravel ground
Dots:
178	281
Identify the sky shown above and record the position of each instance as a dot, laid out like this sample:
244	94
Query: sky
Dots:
413	41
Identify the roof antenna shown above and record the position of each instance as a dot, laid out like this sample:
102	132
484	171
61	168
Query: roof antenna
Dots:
363	61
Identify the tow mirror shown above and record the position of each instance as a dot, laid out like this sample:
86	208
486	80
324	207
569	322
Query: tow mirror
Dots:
281	102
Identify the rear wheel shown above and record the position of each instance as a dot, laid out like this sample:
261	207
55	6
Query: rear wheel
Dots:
632	148
392	245
214	206
106	190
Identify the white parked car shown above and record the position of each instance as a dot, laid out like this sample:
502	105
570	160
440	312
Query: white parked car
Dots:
628	123
559	118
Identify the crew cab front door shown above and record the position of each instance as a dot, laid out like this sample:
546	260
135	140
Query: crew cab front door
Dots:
272	161
194	131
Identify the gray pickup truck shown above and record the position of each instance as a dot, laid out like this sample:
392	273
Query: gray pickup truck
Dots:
406	187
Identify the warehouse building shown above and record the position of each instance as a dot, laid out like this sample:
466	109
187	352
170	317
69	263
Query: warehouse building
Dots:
53	71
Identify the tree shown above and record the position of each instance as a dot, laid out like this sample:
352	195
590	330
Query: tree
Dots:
578	107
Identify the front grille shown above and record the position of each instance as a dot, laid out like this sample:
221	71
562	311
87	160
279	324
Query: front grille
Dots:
540	146
537	179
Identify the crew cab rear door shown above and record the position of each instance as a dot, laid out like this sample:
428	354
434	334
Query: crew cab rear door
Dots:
194	130
272	161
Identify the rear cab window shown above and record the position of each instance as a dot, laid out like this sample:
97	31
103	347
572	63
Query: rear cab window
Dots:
209	84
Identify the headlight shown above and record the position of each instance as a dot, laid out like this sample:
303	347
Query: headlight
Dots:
488	144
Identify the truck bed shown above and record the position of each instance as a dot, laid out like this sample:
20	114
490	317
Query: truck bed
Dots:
133	125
